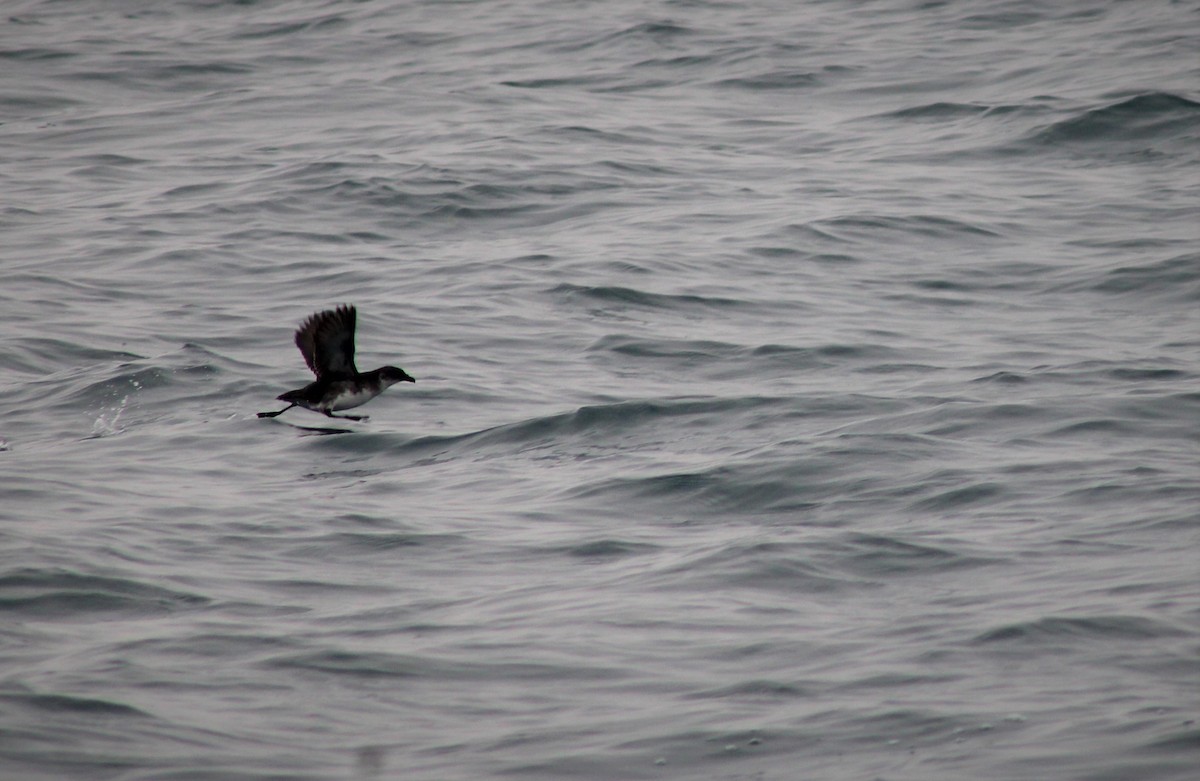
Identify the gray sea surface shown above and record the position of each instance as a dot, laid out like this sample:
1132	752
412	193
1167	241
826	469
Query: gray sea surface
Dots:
805	390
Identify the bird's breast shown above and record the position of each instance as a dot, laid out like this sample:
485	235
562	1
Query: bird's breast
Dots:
347	396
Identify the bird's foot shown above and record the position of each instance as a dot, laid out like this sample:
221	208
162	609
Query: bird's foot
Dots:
346	417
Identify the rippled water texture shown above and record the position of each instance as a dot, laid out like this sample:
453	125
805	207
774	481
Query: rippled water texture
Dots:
804	390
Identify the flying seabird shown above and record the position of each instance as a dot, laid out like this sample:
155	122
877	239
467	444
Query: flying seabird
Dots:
326	340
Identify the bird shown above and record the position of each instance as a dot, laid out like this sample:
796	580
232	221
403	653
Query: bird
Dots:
326	340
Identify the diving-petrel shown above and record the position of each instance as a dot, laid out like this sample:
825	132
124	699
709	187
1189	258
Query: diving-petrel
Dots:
326	340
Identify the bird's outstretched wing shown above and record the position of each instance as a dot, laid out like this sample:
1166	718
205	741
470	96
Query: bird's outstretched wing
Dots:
326	340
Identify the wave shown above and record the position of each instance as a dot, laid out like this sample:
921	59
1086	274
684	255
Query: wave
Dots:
1089	629
938	111
709	359
615	294
379	664
654	31
62	703
1176	278
608	419
779	79
426	198
51	594
835	235
1141	119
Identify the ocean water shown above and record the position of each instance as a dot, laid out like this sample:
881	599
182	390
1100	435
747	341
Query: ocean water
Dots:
805	390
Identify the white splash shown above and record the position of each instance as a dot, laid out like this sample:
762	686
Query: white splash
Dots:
106	424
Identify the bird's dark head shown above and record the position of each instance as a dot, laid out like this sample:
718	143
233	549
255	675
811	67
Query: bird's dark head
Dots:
392	375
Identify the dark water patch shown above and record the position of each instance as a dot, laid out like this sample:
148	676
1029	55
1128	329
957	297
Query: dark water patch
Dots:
372	665
885	681
1000	20
598	420
1177	278
942	285
769	566
362	544
1105	628
1149	375
835	258
535	198
382	192
685	63
625	296
753	690
1136	123
779	252
43	355
814	235
637	168
479	195
42	101
62	703
137	73
1151	404
591	135
673	486
933	301
335	474
961	498
909	726
292	30
35	53
1003	378
304	587
956	421
742	490
57	595
529	214
207	645
600	84
110	173
595	424
363	520
783	349
656	32
777	79
1085	428
422	38
857	352
1149	372
679	350
880	446
938	111
191	190
1182	740
125	381
226	773
898	368
558	81
661	31
607	549
723	360
1140	491
353	665
669	749
887	227
875	556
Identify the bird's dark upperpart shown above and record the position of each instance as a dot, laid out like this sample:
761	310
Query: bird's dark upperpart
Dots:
326	340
